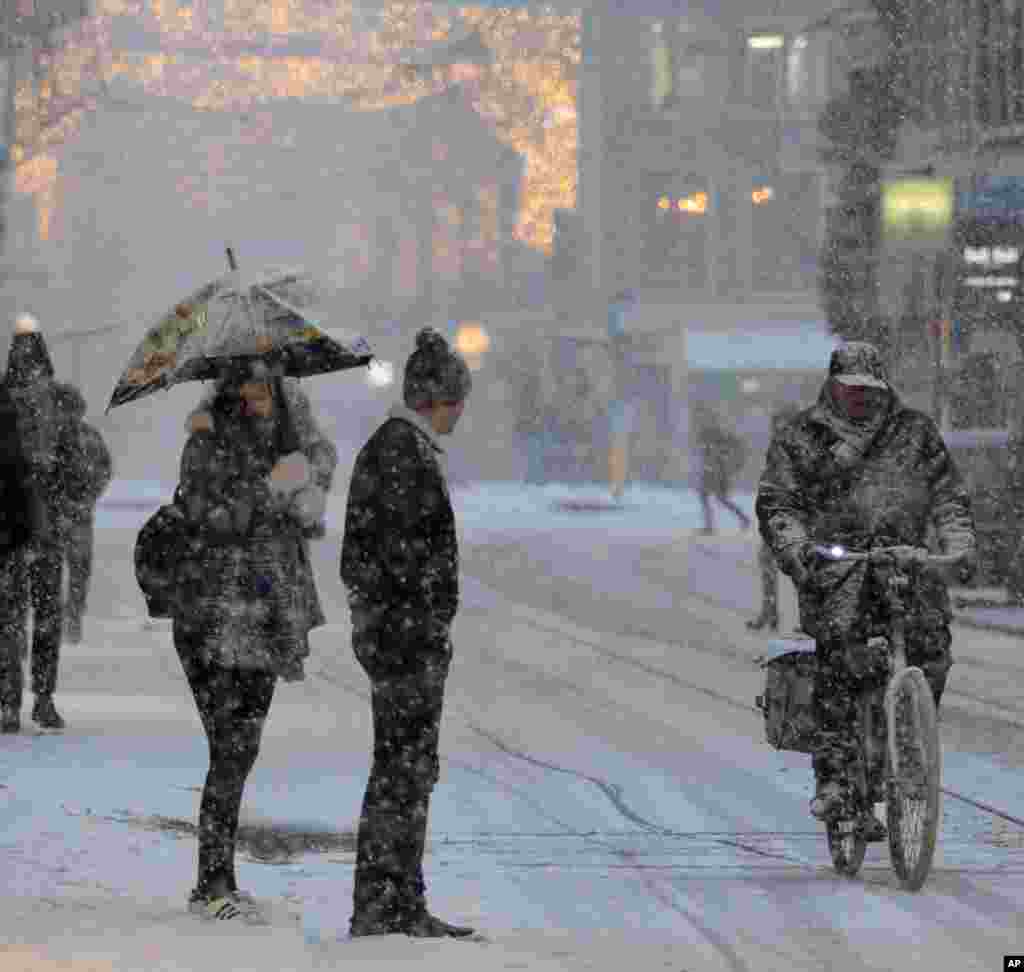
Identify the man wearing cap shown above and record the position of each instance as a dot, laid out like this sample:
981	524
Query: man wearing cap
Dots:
400	564
860	469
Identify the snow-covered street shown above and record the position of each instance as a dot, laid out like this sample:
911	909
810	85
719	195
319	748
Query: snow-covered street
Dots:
606	793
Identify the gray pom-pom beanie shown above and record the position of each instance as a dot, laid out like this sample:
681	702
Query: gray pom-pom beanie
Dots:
434	372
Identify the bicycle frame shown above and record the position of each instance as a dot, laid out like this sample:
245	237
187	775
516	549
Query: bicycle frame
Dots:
912	758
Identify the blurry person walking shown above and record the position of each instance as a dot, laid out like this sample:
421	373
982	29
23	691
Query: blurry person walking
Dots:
721	455
48	411
89	471
255	473
20	521
400	564
532	421
767	567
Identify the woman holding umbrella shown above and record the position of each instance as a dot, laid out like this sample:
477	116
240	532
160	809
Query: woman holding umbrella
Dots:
255	473
253	488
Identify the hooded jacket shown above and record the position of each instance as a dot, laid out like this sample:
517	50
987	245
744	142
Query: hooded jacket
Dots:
48	415
904	484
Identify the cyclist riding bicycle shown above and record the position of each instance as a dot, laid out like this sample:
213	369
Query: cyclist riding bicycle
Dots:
861	469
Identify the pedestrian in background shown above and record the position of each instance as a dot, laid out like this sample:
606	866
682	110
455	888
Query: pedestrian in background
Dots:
255	473
532	419
400	564
88	475
20	521
721	456
767	567
48	412
576	411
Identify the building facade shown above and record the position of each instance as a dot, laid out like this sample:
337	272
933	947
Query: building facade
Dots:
700	194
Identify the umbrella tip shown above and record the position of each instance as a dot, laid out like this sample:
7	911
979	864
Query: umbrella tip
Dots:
231	258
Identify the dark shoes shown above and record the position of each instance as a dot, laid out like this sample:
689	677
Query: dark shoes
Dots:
766	619
420	925
426	925
829	802
871	828
45	714
11	720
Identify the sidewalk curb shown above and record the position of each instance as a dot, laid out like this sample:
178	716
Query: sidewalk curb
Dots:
997	626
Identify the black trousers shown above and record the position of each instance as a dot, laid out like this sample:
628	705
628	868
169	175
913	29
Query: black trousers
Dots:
233	706
30	583
407	709
78	552
847	672
722	495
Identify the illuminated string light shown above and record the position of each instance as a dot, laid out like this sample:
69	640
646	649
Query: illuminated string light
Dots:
356	65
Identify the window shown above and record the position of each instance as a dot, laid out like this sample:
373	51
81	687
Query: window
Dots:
678	64
807	72
764	60
786	231
674	250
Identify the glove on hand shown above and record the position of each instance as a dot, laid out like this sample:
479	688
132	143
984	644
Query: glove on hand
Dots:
309	506
291	473
797	561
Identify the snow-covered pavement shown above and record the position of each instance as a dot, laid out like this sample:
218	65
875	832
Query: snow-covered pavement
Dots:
606	798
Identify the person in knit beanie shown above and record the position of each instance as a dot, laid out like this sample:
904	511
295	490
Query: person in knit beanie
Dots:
400	565
435	373
48	413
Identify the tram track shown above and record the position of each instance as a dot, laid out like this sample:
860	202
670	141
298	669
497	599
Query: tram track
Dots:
723	651
674	679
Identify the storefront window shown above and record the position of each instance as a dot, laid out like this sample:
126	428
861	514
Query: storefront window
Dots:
765	61
807	72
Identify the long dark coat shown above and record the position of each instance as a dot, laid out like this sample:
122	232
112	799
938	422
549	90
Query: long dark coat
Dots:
247	590
905	485
20	512
48	415
400	557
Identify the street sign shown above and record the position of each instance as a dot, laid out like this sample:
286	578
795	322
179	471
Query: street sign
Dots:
917	211
992	199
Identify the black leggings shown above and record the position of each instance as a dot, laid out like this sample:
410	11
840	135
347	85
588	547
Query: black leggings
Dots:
233	705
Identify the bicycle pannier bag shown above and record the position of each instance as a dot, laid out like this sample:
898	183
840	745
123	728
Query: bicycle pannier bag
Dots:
787	702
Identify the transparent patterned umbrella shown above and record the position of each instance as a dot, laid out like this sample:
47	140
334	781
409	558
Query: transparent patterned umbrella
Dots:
265	315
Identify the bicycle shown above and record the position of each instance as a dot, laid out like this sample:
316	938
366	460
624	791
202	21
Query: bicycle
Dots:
908	773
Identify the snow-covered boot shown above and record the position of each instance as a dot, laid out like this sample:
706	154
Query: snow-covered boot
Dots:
11	720
45	714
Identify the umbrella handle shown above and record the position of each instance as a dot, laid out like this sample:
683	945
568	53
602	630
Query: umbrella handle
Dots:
231	258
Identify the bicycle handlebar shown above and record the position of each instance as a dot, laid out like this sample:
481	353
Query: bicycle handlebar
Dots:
838	553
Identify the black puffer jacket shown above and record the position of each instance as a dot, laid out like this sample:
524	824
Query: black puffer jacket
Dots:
400	557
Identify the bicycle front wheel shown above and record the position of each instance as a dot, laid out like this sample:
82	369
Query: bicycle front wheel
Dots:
915	769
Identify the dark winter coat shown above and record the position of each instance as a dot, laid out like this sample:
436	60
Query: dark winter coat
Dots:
247	590
48	415
905	483
721	455
19	508
400	558
89	472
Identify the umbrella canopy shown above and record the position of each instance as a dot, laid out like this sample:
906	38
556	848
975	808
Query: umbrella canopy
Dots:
238	316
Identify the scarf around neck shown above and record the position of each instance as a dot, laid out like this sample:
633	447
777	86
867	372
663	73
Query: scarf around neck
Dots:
855	438
402	411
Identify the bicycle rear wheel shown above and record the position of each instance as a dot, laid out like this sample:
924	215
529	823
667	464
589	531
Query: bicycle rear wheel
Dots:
915	768
847	846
